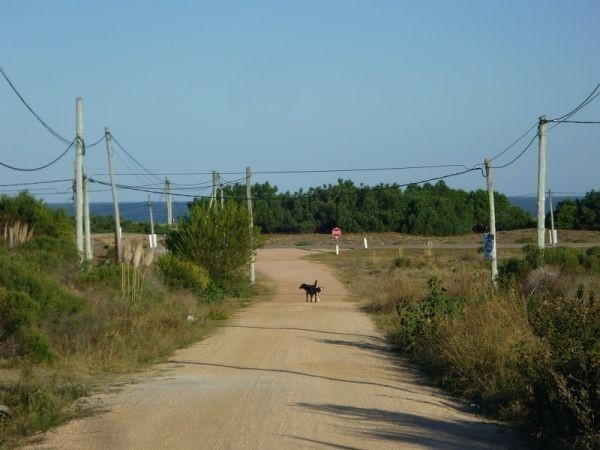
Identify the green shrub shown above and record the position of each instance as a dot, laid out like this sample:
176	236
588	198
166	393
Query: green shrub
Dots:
31	301
591	259
218	239
567	382
420	320
51	253
26	209
37	347
179	273
401	262
36	405
566	258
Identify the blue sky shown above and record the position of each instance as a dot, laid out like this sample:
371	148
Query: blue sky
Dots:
195	86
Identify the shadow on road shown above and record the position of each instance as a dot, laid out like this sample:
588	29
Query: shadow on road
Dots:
292	372
406	429
303	329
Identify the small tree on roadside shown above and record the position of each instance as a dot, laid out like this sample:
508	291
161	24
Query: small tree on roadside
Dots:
218	239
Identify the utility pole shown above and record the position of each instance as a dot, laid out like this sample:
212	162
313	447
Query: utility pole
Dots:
152	243
86	221
488	174
118	243
213	196
169	202
541	201
79	175
221	190
249	200
552	236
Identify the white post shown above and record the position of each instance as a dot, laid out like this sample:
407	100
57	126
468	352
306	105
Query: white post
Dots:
541	213
79	175
151	216
169	202
490	187
552	233
365	243
337	247
86	220
118	239
221	191
213	195
249	200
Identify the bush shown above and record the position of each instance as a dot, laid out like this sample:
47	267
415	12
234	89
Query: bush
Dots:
26	209
420	320
402	262
29	301
218	239
567	382
51	253
179	273
591	259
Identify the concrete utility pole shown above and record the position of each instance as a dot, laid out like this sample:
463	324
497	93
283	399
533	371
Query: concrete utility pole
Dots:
79	174
169	202
541	202
221	190
86	221
488	174
151	222
552	234
249	200
213	195
118	239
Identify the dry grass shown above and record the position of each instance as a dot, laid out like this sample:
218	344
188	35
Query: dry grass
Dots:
399	240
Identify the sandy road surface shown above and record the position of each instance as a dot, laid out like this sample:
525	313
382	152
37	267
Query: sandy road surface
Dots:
283	374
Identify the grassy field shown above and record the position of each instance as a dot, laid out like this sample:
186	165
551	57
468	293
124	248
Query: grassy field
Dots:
526	351
355	240
68	331
489	345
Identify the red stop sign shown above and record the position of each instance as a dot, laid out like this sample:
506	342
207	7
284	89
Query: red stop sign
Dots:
336	232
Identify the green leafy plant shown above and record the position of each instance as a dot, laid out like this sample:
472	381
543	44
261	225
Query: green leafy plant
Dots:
218	239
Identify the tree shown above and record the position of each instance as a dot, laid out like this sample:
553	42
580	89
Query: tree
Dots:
25	208
218	239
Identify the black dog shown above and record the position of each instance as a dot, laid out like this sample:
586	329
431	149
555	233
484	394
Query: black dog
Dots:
312	291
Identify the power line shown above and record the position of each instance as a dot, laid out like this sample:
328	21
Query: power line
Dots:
590	98
32	183
515	142
574	121
132	158
40	120
96	142
41	167
518	156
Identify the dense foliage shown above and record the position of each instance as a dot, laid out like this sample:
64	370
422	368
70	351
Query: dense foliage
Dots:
427	210
579	214
106	224
218	239
31	301
26	209
528	350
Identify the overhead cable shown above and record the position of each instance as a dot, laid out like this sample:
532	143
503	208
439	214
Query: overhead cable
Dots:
41	167
519	155
590	98
40	120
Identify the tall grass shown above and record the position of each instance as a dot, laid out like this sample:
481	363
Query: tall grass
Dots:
527	352
80	328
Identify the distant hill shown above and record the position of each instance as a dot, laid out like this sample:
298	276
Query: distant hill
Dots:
529	204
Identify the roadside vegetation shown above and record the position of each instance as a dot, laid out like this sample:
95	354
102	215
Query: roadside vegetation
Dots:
65	328
526	351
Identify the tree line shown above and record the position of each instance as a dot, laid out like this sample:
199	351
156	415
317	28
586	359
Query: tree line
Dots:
430	209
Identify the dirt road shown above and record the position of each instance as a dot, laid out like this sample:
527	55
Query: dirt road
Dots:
283	374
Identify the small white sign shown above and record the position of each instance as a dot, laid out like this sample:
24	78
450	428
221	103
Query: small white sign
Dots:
489	246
